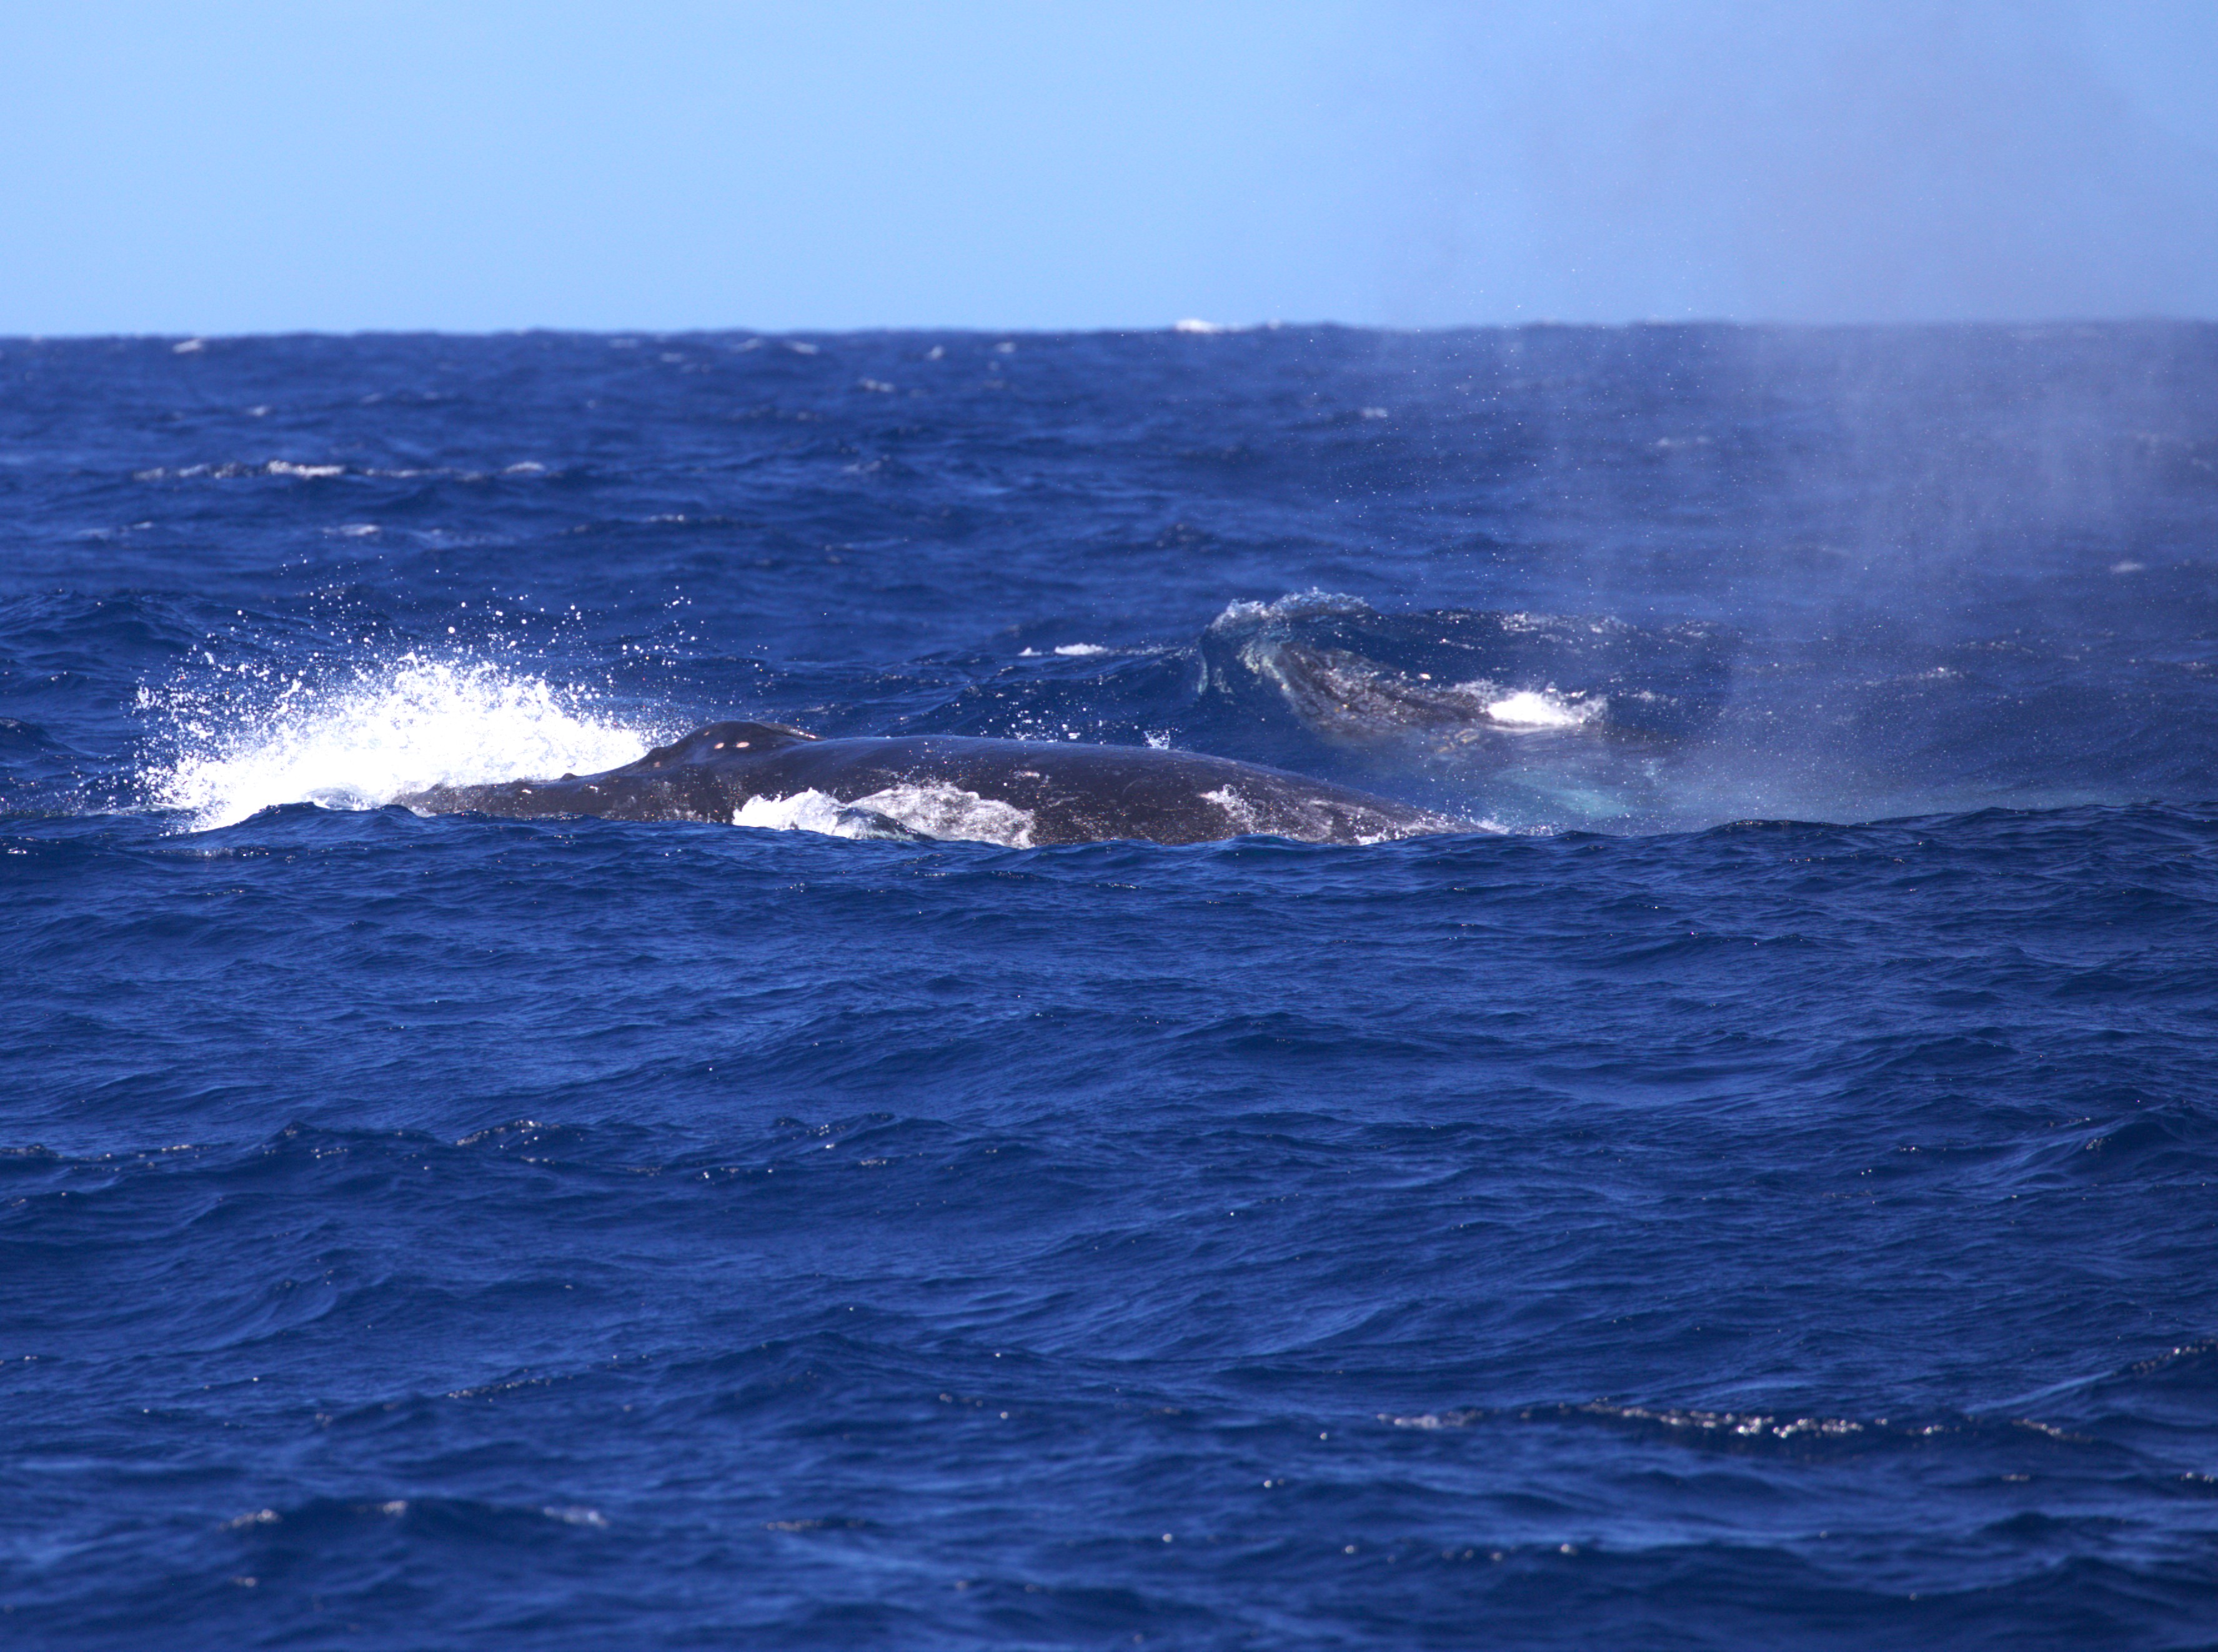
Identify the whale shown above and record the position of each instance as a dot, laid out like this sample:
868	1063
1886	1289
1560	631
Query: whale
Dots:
1024	794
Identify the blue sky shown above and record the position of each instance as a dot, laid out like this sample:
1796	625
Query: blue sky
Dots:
260	165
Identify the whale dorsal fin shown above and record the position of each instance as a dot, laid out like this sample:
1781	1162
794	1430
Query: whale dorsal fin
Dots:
719	740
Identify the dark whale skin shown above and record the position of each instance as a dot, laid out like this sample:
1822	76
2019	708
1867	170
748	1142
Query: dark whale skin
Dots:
1072	793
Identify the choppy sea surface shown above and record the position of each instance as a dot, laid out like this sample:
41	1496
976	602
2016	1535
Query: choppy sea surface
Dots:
1762	1190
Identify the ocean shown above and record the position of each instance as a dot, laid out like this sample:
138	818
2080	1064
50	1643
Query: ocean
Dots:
1757	1187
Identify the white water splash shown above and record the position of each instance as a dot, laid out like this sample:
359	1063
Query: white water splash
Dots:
1536	708
934	810
1242	614
361	737
1238	810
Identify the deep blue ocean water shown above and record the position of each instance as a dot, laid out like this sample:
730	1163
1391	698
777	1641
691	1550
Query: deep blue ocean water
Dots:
1761	1192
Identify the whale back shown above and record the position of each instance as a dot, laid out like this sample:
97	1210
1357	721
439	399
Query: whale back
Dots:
718	741
1022	793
